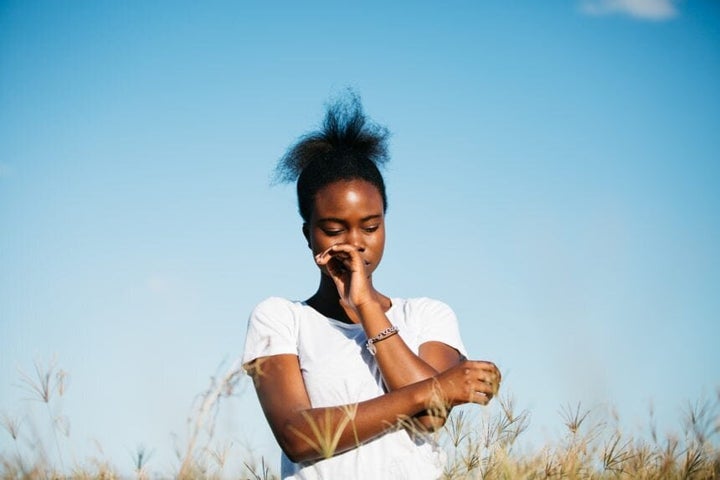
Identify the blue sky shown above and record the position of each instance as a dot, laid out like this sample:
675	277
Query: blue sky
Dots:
554	178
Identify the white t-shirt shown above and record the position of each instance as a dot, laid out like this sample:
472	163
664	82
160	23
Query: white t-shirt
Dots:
338	370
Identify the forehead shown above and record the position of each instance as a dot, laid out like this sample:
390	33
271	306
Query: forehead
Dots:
346	198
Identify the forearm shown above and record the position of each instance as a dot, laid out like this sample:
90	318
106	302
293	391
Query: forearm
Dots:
399	365
318	433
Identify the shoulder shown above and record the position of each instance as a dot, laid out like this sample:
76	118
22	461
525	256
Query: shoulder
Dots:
275	304
272	329
427	305
420	312
276	311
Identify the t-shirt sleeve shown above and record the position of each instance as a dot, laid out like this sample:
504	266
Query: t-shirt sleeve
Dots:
438	323
271	330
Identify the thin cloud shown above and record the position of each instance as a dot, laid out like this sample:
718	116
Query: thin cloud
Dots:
655	10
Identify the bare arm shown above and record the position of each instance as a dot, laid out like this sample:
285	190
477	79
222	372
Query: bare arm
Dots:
399	365
305	433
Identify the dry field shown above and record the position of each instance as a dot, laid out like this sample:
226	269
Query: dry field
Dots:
477	446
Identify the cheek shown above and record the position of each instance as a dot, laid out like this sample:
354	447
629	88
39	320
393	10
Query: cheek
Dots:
320	243
379	244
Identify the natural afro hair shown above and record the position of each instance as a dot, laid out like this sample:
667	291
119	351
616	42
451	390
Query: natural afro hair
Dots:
348	146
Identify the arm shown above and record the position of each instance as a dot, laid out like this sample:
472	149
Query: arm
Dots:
305	433
399	365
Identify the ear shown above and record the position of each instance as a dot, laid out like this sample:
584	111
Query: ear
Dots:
306	233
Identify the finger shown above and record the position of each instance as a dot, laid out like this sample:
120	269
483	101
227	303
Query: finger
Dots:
340	266
497	373
339	250
482	377
493	384
486	365
487	390
336	266
339	247
482	398
330	260
322	258
342	247
489	382
343	258
345	264
489	367
352	259
494	369
485	385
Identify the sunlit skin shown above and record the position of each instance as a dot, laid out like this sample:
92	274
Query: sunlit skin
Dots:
346	233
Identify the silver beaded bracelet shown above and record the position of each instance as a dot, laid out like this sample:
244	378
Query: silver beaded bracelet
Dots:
388	332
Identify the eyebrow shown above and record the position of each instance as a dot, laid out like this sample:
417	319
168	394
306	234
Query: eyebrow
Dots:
340	220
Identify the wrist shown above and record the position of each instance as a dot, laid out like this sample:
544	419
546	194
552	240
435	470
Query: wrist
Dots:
370	306
384	335
428	397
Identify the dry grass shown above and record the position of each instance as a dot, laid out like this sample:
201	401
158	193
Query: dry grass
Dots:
200	456
478	445
484	448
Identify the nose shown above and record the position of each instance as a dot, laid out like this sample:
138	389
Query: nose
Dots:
355	238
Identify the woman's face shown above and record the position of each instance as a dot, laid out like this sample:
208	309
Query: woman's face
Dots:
348	211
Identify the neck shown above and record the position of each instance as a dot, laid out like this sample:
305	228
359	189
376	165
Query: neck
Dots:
327	290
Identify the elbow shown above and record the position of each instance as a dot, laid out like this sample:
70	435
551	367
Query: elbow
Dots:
294	455
295	447
296	450
299	452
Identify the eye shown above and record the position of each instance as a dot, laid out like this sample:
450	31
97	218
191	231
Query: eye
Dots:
371	228
332	233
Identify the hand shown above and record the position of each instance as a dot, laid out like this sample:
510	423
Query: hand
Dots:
469	382
345	265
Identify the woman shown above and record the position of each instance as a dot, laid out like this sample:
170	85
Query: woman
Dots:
351	380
